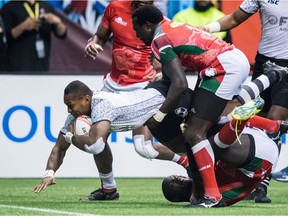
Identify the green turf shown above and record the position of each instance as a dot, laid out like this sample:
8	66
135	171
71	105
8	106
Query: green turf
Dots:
137	197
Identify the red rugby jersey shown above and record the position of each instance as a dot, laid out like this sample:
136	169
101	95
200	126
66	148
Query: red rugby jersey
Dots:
130	58
196	49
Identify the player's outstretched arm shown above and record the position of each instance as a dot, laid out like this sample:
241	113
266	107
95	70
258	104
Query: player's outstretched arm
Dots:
54	162
227	22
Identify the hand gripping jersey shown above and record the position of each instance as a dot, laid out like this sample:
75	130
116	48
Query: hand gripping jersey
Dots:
130	58
274	20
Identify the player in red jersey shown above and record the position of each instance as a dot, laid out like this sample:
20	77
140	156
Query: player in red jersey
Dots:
222	71
240	168
259	155
131	57
131	70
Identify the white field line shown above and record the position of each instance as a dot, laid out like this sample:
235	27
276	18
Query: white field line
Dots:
46	210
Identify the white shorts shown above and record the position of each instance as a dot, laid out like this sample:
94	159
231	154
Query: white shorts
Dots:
110	85
265	148
237	69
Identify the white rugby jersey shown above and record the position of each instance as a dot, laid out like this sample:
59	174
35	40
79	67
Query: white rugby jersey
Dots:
274	20
125	110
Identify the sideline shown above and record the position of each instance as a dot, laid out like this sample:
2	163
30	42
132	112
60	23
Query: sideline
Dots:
46	210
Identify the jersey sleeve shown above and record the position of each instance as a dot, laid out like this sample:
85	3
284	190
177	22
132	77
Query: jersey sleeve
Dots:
106	20
250	6
163	50
67	125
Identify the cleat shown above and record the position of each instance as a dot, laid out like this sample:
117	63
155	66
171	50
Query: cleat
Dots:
206	202
282	179
261	196
99	195
283	128
281	72
194	200
281	175
248	109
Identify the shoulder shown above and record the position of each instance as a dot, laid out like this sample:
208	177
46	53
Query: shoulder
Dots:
251	6
100	99
118	5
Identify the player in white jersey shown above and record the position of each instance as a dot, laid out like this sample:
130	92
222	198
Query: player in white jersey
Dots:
272	46
109	112
131	68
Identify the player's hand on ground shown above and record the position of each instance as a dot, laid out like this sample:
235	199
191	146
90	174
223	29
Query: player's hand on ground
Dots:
44	184
152	123
92	50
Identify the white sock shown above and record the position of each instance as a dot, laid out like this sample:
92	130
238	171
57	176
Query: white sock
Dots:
108	181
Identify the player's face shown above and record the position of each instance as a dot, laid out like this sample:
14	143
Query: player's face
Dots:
144	32
177	188
77	105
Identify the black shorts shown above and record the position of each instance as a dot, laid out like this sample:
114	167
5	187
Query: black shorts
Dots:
207	105
169	128
276	94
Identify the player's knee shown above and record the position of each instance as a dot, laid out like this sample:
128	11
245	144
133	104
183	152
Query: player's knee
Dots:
95	148
193	136
144	148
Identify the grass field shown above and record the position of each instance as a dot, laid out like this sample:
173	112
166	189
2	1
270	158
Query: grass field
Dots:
137	197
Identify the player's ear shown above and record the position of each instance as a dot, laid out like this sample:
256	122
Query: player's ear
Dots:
88	98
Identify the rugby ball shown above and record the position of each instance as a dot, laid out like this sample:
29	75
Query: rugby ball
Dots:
82	125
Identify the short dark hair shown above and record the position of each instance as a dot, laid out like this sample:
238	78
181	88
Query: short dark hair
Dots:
177	188
148	13
79	88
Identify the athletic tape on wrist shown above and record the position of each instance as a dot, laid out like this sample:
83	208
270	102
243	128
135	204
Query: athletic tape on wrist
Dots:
48	173
213	27
90	43
159	116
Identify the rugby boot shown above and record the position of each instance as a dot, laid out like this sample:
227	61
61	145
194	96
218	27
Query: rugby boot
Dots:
206	202
281	72
281	175
261	195
248	109
99	195
283	128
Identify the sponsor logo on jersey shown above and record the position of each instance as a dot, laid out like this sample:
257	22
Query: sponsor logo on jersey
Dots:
282	22
120	21
181	112
276	2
